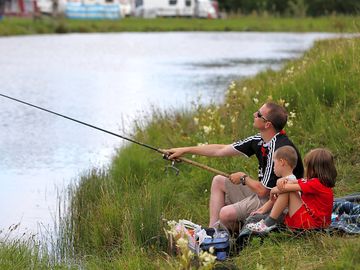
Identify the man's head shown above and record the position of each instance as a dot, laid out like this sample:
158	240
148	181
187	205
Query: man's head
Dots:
285	160
271	115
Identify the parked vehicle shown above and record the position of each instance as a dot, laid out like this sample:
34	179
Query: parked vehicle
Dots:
175	8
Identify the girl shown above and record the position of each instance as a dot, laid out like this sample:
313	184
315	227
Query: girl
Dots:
313	208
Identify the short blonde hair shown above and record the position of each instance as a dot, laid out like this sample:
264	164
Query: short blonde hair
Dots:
287	153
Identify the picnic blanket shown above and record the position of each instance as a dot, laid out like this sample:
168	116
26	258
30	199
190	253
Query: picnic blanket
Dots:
345	217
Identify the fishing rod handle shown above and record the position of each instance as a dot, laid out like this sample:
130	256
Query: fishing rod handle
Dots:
210	169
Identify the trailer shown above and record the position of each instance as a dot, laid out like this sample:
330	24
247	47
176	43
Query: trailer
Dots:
176	8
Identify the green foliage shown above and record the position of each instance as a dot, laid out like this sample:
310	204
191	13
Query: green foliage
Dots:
263	22
307	7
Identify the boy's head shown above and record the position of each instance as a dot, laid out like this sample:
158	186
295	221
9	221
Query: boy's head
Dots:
285	160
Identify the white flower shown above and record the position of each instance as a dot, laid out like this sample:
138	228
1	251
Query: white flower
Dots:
196	120
256	101
207	129
222	127
182	243
290	123
244	89
232	85
292	115
233	119
286	104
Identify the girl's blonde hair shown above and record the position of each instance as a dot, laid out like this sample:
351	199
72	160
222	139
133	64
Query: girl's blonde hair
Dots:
319	163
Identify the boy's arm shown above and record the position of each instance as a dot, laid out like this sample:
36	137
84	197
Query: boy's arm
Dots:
265	208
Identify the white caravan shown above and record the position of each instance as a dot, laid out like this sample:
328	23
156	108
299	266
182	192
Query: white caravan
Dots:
175	8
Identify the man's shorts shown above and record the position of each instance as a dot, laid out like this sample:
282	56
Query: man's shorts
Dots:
243	199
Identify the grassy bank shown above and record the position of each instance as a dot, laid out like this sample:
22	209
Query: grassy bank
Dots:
25	26
117	216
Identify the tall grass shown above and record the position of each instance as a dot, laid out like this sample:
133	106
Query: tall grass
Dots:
118	214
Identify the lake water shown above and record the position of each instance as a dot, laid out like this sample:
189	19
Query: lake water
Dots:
107	80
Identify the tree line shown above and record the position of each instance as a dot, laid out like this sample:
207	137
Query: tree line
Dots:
292	7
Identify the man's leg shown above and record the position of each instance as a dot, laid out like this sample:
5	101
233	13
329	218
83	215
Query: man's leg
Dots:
228	216
217	198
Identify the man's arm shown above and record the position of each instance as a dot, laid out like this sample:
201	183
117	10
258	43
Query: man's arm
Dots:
210	150
253	184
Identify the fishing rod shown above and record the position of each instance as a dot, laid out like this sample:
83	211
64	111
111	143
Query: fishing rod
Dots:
164	153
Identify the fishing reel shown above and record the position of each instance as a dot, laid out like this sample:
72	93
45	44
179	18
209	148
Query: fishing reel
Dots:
172	166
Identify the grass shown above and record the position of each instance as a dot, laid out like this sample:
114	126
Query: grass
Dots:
116	217
46	25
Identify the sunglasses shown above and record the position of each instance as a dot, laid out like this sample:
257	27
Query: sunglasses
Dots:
259	115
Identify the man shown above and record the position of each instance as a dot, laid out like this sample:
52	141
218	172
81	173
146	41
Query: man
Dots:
232	200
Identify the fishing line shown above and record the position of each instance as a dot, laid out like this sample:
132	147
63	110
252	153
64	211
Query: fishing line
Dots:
165	154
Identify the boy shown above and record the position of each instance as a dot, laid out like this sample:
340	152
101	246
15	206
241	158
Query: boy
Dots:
285	160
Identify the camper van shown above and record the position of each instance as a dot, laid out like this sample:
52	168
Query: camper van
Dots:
175	8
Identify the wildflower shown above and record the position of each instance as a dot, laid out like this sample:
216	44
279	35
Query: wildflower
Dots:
290	123
244	89
182	243
257	92
227	105
281	101
290	71
205	191
292	114
207	129
196	120
222	127
286	104
234	92
232	85
193	156
232	119
256	101
206	258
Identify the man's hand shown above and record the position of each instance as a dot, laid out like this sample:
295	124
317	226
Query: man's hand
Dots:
174	153
235	177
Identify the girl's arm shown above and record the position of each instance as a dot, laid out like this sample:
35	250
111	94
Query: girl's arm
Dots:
288	187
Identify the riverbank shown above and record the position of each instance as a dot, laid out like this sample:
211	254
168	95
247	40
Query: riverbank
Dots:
122	211
45	25
117	217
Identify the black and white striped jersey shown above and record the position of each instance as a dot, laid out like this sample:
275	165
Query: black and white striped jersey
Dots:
255	145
